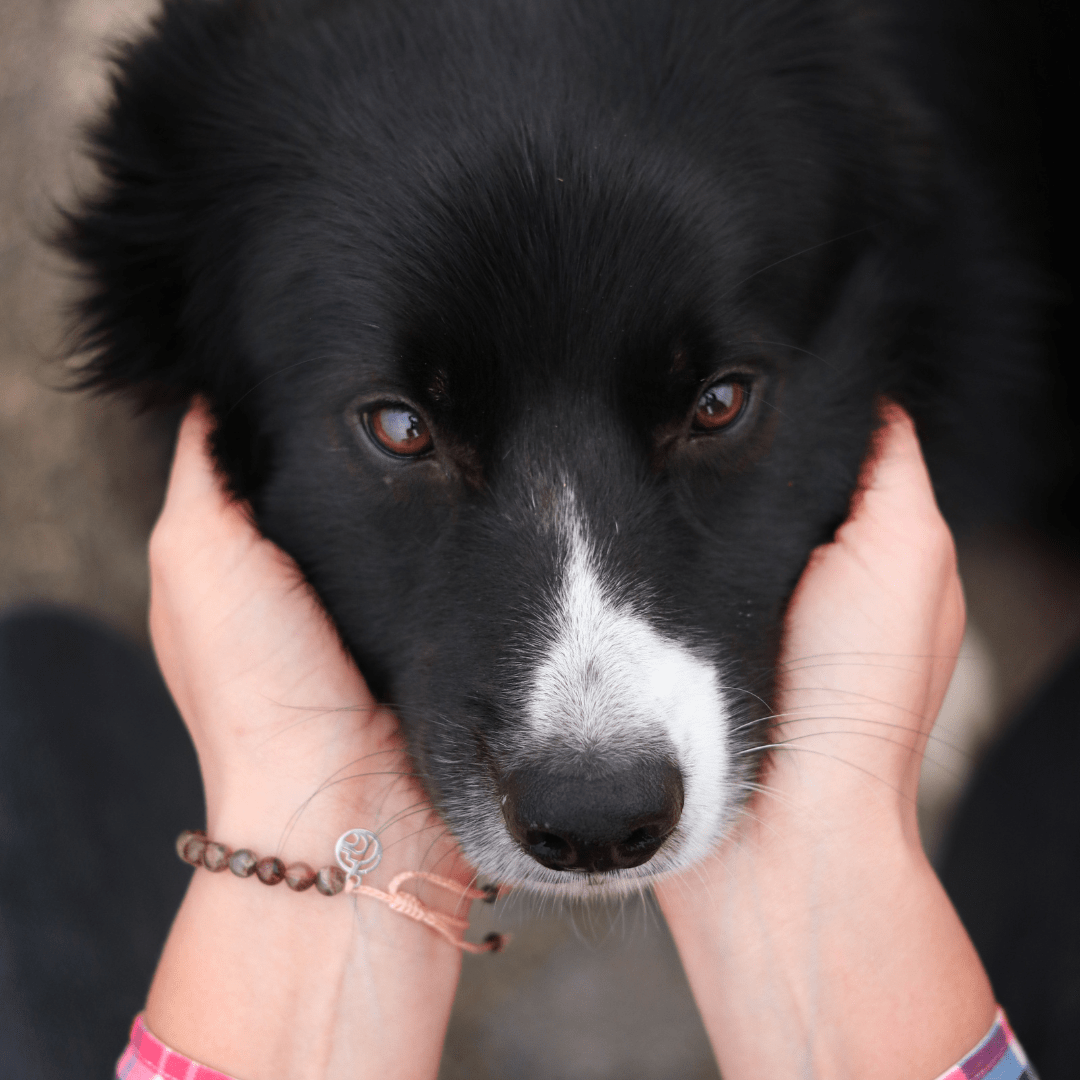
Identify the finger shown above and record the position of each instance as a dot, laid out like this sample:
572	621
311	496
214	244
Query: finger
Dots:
890	572
193	478
894	477
198	506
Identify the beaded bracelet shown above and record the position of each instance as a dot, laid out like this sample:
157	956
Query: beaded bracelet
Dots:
358	853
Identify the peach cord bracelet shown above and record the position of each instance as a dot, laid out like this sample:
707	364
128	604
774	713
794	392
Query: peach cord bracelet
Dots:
358	852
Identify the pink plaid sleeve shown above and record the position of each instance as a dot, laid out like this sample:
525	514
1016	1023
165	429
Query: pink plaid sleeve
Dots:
998	1057
146	1058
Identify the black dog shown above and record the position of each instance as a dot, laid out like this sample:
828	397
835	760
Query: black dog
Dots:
547	337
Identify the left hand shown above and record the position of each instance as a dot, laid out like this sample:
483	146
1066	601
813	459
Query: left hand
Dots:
293	748
294	751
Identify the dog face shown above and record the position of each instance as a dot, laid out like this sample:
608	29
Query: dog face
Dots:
558	532
549	366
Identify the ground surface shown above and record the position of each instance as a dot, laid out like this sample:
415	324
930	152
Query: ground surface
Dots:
583	995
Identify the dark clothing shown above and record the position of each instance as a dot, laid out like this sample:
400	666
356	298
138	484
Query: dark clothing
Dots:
97	777
1011	865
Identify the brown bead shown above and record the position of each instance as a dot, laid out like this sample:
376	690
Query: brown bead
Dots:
242	863
270	870
181	842
330	880
299	876
190	847
216	857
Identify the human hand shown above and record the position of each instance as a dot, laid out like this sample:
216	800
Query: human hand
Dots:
292	746
818	940
294	751
871	640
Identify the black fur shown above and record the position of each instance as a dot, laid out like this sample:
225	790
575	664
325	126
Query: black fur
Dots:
549	225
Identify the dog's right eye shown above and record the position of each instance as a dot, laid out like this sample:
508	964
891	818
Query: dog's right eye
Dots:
399	430
721	404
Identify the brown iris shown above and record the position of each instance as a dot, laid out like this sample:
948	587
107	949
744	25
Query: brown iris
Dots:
399	430
720	404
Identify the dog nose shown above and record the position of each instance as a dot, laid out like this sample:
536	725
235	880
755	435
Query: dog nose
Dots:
593	822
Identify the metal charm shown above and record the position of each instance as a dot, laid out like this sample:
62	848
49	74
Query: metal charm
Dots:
358	852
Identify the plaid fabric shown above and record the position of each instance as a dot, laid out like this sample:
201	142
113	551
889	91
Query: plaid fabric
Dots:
998	1057
148	1059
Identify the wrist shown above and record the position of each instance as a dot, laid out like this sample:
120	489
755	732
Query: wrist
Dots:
409	834
259	981
846	780
844	952
293	825
296	809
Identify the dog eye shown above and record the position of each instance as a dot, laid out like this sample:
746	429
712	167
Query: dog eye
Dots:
721	404
397	429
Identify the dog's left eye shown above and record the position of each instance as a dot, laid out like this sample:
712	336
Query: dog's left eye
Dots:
721	404
399	430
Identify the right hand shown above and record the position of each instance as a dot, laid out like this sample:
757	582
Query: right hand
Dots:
818	940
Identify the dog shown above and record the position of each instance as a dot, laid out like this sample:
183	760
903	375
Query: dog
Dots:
547	338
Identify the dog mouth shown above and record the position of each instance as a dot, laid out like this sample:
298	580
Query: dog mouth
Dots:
608	825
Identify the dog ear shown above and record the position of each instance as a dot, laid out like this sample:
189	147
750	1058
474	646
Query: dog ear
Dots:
159	245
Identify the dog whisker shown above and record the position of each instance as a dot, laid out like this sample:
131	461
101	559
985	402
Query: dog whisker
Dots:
860	658
273	375
833	757
327	785
795	255
421	807
931	738
315	713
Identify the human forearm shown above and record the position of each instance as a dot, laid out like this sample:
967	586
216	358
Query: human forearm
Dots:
261	982
818	940
264	983
811	960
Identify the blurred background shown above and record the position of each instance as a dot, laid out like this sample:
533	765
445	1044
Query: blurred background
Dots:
587	994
